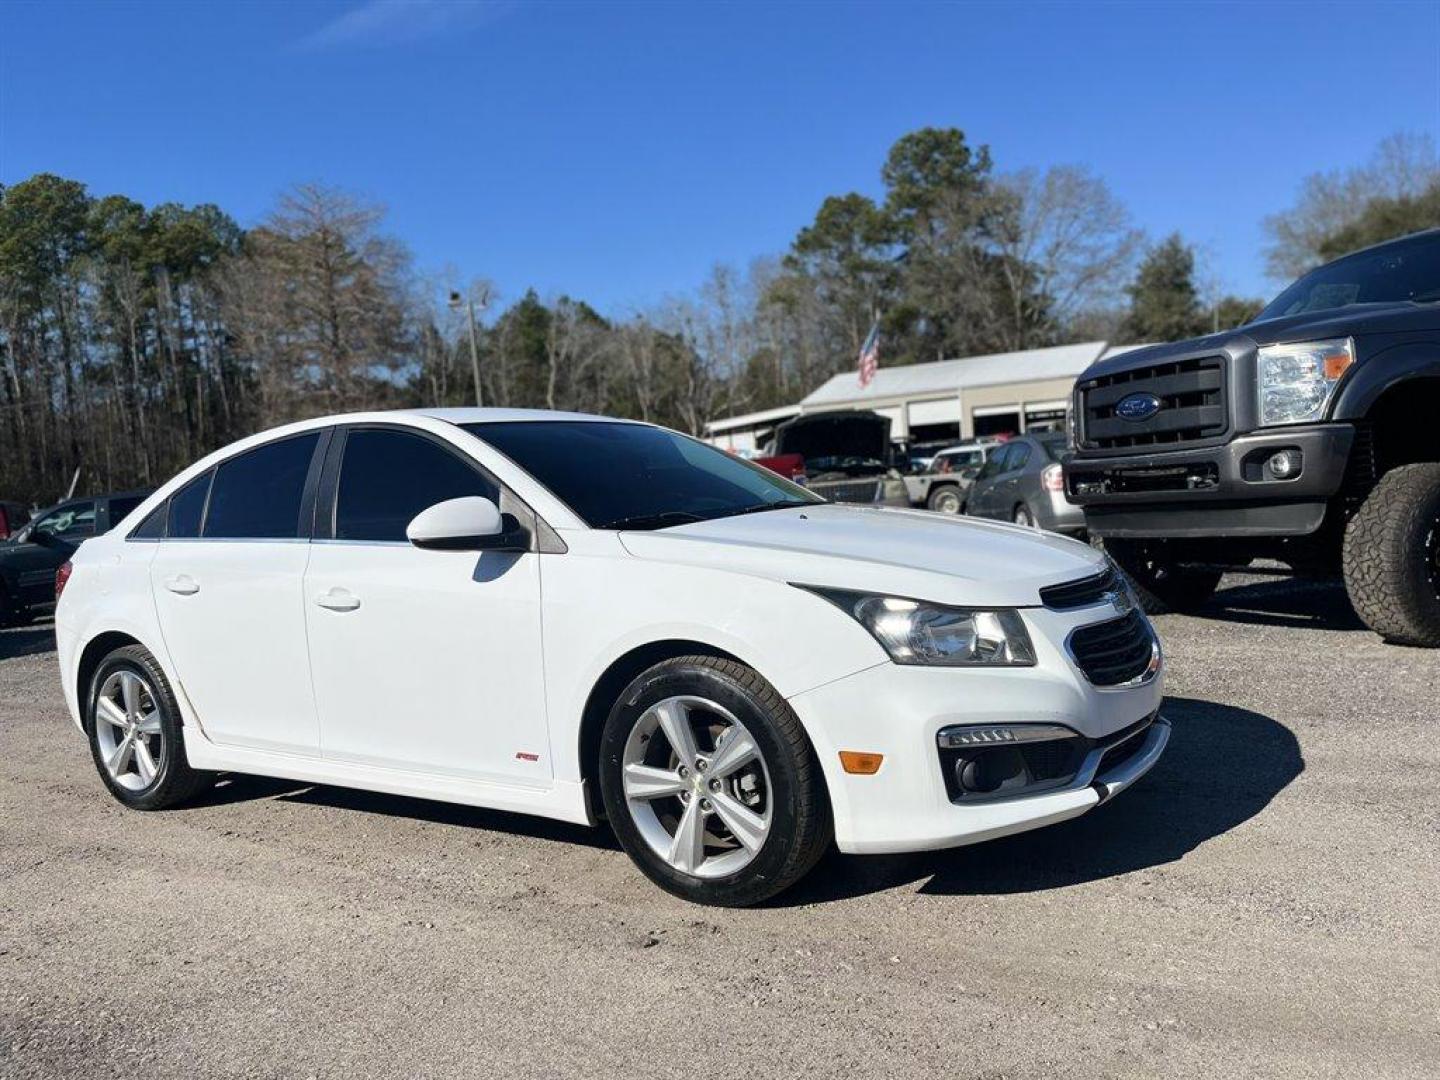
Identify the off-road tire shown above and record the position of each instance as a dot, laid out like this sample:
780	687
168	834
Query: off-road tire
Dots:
175	782
1160	584
943	494
801	827
1392	556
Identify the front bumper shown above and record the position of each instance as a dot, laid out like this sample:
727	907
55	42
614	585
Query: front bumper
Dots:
898	711
1222	490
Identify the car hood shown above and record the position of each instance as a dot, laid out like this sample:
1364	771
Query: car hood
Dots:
912	553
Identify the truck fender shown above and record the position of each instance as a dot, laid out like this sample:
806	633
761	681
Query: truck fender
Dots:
1369	379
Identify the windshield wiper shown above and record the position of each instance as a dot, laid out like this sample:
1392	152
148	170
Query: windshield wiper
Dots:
779	504
662	520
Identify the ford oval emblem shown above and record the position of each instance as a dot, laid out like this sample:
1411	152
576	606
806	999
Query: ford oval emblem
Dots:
1137	407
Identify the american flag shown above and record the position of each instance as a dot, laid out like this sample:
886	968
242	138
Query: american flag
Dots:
870	355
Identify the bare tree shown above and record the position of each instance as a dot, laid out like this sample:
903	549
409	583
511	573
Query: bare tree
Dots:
1402	166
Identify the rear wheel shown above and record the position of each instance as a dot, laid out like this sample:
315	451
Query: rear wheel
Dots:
1392	556
135	733
710	783
1022	516
1159	582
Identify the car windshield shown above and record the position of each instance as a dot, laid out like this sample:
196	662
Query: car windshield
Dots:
631	476
1399	272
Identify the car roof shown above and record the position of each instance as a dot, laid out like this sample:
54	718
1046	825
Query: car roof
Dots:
477	415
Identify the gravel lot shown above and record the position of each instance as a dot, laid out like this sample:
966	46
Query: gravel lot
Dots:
1263	904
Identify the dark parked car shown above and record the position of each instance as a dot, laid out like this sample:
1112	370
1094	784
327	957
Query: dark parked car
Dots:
1021	481
29	558
1307	436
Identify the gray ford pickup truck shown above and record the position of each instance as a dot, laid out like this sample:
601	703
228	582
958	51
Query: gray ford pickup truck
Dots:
1310	435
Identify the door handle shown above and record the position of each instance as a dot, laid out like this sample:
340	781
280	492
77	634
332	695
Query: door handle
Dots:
182	585
338	599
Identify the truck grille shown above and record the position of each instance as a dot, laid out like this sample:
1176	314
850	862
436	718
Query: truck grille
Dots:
1113	652
1192	405
848	491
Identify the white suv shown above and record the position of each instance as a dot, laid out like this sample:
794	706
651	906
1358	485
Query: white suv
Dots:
586	618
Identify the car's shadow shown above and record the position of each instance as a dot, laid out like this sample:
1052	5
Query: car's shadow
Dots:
238	787
27	641
1300	603
1222	767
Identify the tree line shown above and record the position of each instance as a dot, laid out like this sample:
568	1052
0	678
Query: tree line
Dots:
133	339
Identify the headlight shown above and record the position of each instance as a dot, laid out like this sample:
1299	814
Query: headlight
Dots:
914	632
1296	381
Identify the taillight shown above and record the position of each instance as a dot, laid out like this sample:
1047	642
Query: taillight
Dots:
61	577
1052	478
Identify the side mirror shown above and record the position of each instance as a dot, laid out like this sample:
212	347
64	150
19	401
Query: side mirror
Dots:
466	524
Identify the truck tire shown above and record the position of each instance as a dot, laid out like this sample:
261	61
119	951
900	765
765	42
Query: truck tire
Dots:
944	499
1392	556
1160	584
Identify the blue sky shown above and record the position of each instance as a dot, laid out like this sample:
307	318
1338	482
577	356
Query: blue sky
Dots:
616	151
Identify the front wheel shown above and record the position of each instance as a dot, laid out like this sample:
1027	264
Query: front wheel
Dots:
1159	582
710	783
1392	556
135	736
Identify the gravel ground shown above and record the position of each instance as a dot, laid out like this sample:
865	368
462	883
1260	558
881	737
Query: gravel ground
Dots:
1263	904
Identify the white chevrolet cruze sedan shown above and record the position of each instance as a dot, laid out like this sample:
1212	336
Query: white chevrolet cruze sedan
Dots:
592	619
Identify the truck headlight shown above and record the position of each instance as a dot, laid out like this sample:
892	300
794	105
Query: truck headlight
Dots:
916	632
1294	382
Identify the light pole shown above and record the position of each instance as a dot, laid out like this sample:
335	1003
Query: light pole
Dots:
456	301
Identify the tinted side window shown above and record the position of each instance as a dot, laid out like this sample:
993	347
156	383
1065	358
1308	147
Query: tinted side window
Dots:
77	519
153	527
1018	456
257	495
995	464
387	477
187	508
121	506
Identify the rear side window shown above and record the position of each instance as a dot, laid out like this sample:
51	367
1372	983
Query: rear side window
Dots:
387	477
187	508
1018	456
153	527
257	495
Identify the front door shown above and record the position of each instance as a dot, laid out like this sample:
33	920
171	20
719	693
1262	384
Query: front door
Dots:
427	661
227	583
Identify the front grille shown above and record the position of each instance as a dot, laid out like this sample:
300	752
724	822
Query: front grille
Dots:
1113	652
1192	405
1080	593
848	491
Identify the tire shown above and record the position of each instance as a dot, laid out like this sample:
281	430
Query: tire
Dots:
1160	584
1022	516
944	499
650	795
1391	556
153	773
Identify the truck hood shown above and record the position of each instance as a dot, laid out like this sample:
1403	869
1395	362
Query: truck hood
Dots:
911	553
1357	320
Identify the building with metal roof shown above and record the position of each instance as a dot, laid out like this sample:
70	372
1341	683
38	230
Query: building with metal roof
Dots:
942	401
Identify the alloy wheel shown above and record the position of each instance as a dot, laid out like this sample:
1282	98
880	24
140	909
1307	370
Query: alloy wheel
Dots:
128	731
697	786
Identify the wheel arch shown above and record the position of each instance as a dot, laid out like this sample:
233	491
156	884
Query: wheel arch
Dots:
95	650
608	686
1401	420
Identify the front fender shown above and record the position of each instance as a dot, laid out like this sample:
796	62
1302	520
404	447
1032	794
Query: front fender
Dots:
1383	371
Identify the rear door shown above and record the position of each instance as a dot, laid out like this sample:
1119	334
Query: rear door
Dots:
1006	493
423	660
228	582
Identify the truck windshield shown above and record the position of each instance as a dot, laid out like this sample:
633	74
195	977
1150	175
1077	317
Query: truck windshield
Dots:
1408	270
631	476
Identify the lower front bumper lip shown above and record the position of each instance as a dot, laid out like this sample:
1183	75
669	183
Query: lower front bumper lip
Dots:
1111	783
